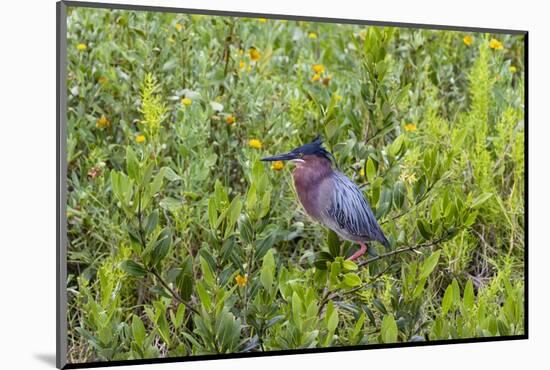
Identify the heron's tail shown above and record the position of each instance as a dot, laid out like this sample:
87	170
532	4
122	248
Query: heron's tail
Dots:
385	241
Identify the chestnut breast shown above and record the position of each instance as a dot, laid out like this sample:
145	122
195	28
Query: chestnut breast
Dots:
310	180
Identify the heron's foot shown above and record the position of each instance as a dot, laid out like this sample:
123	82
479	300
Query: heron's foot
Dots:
359	253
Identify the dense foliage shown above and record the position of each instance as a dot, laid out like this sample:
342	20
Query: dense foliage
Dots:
181	242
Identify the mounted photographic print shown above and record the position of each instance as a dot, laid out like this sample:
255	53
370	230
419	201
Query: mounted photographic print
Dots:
235	185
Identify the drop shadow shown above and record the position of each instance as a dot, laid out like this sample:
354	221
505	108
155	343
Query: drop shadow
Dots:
46	358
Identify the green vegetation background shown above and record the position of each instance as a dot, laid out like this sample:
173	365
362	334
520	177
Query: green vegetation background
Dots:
182	243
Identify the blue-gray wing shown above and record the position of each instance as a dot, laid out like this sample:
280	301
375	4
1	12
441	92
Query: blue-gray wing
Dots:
349	209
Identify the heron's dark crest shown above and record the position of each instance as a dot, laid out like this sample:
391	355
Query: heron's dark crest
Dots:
315	148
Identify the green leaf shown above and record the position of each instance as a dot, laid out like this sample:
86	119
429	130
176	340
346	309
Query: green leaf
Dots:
133	268
470	219
171	204
424	228
332	314
268	270
157	182
152	222
379	306
321	260
447	301
170	175
207	273
388	331
203	295
180	314
232	215
212	213
351	280
222	200
170	64
132	163
399	194
477	202
162	246
147	174
245	229
185	279
456	292
296	309
371	170
429	265
138	330
333	243
469	297
349	265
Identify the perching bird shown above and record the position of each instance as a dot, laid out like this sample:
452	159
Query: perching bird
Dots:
330	197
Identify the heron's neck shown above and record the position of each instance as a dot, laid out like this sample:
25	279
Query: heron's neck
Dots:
308	177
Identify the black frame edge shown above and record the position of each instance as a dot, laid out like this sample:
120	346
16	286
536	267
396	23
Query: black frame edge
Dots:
61	124
526	185
302	351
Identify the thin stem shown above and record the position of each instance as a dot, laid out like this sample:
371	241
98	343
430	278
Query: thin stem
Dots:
405	249
173	292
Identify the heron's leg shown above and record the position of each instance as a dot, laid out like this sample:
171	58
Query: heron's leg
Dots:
359	253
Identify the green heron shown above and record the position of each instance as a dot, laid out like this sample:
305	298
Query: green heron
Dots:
330	197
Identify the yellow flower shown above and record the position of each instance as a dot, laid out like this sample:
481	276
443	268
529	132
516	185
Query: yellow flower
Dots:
102	122
254	54
140	139
179	26
362	172
103	80
468	40
337	98
316	77
186	101
277	165
312	35
242	64
318	68
241	280
410	127
513	69
81	47
262	20
230	119
495	44
255	143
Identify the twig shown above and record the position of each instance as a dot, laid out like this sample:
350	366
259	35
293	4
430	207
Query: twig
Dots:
405	249
173	292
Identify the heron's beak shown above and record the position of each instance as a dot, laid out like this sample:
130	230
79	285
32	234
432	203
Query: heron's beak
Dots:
281	157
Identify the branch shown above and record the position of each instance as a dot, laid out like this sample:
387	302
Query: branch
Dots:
174	294
405	249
